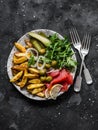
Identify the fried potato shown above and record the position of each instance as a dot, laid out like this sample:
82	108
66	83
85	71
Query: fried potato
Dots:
14	72
27	47
19	67
22	66
32	86
19	60
19	54
20	47
14	58
41	94
37	90
24	80
29	44
31	76
24	63
34	81
16	77
33	70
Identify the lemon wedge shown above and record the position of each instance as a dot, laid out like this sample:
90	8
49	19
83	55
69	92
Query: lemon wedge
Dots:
47	93
55	90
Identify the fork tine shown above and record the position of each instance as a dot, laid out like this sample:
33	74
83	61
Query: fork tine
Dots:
86	41
77	35
72	36
83	41
89	41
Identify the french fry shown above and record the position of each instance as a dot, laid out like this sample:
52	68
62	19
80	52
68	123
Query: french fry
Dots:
23	81
33	70
37	90
24	64
31	76
14	72
34	81
16	77
27	47
19	67
41	94
32	86
15	58
19	54
29	44
20	47
19	60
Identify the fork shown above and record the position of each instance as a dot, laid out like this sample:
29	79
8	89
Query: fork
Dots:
77	44
84	51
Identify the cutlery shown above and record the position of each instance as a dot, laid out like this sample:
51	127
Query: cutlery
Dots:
84	51
77	44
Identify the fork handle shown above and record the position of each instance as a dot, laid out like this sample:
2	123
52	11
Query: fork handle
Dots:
87	75
77	86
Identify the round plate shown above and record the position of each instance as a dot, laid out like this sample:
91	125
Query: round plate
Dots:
10	64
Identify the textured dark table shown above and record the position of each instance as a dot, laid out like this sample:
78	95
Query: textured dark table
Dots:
70	111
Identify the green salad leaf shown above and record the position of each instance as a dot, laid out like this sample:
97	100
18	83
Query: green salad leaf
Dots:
60	50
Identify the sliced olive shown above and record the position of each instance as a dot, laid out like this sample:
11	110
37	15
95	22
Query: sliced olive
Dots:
43	78
47	66
42	72
54	63
48	78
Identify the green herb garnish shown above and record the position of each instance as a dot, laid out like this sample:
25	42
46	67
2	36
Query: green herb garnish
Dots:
31	61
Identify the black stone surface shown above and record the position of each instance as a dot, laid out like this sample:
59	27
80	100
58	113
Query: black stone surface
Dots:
71	111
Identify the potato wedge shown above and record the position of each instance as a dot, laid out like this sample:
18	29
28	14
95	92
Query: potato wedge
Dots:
31	76
41	94
24	64
33	70
19	54
16	77
34	81
32	86
29	44
14	58
27	47
19	60
24	80
19	67
37	90
20	47
14	72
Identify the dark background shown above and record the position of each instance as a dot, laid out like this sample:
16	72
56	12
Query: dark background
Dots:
71	111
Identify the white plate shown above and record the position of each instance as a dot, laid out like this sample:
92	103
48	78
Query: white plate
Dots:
10	64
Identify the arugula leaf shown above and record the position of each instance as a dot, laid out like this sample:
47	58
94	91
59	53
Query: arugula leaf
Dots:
31	61
60	50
